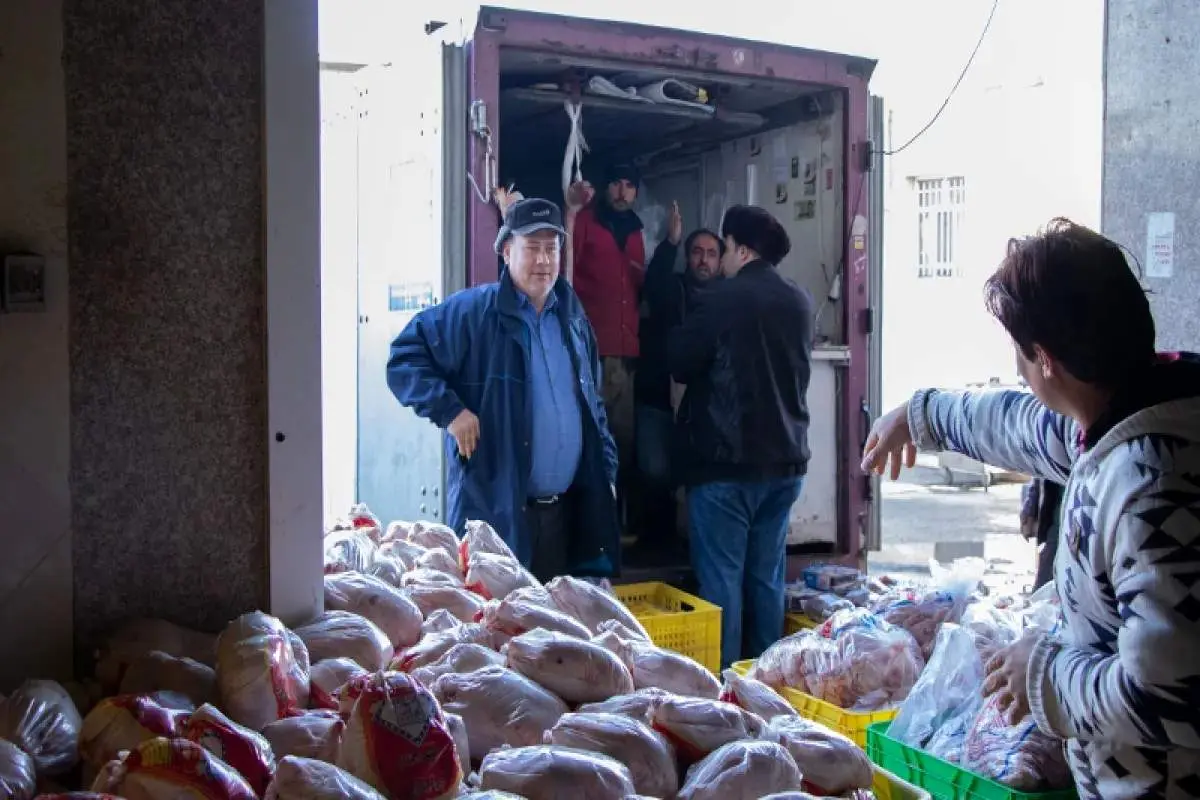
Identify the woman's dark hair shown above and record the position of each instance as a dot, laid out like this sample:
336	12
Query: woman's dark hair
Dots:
1071	291
755	228
696	234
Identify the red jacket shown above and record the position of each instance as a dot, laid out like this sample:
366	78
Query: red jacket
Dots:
608	280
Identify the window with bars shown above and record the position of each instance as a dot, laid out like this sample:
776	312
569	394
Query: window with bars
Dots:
941	203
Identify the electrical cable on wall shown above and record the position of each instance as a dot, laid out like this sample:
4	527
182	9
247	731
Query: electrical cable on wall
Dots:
970	60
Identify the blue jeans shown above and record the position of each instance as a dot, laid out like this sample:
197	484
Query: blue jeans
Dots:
738	534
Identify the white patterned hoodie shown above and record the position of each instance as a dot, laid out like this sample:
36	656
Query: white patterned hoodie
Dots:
1121	683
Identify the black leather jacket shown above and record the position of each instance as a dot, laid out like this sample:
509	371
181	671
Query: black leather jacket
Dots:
744	354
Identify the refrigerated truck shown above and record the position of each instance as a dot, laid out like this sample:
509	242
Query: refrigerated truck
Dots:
791	129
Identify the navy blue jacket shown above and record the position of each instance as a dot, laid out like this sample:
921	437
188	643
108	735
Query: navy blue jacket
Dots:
472	351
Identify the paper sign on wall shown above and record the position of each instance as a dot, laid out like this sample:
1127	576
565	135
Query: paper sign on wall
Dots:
1160	244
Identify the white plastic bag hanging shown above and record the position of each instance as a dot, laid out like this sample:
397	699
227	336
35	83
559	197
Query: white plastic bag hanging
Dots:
572	169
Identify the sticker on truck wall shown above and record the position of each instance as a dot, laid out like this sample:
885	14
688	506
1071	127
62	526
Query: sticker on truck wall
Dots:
409	296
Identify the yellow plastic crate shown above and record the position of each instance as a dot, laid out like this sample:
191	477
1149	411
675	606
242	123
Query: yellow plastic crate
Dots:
888	787
853	724
676	620
794	623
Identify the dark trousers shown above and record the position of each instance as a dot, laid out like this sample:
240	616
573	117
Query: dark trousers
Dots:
549	521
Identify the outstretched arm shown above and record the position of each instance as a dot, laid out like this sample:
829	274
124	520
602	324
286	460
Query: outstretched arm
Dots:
1147	692
1007	429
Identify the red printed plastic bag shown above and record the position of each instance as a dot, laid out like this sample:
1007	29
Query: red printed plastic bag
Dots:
239	747
122	723
172	769
258	676
397	739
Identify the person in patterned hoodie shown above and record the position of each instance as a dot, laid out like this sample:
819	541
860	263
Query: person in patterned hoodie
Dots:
1119	426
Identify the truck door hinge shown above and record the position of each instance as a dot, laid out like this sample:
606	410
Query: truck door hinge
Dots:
867	154
868	320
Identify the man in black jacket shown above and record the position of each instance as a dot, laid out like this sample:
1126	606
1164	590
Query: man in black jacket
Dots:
744	355
668	296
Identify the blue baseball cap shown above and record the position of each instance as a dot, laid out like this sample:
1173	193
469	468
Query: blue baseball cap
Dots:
528	216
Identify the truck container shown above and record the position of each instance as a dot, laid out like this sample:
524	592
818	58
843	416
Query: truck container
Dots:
786	128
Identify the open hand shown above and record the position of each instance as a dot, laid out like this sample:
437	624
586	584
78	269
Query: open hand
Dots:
675	224
579	194
465	430
890	444
505	198
1007	673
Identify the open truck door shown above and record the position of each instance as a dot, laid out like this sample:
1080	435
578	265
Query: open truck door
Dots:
412	237
874	406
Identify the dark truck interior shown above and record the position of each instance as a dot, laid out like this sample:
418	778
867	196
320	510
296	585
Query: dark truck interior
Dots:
656	137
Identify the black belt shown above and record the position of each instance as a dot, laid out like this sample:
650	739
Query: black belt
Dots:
542	502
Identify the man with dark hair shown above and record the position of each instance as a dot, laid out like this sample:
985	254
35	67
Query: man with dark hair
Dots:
510	371
744	355
1120	427
668	296
606	265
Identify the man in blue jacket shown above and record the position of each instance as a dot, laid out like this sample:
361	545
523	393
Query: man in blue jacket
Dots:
510	370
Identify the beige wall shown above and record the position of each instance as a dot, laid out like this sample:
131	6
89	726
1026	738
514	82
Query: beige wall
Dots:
35	512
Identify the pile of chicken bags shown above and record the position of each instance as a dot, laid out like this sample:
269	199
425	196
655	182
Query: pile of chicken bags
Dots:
947	716
440	669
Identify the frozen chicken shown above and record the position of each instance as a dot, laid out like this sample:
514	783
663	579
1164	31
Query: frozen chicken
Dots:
830	761
591	605
383	604
754	696
636	705
327	676
462	604
514	617
652	666
574	669
433	535
341	634
258	677
496	577
314	734
697	727
158	671
499	707
430	649
742	771
549	773
647	755
308	779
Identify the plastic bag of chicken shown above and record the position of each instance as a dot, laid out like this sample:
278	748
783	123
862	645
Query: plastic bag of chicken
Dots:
462	604
480	537
431	535
697	727
514	617
172	769
431	648
463	657
437	622
743	770
591	605
342	634
647	754
327	676
137	637
18	777
499	707
555	772
385	605
41	718
653	666
158	671
494	576
258	676
314	734
754	696
576	670
245	750
348	551
123	722
637	705
1019	756
308	779
402	551
831	763
397	739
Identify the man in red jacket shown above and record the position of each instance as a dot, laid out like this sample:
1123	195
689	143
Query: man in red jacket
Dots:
606	266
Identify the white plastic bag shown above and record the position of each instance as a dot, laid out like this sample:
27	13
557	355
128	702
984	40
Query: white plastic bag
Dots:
574	669
636	705
403	551
481	537
434	535
499	707
461	657
308	779
385	605
348	551
439	621
315	734
258	677
742	771
18	777
433	647
950	682
341	634
545	772
424	577
462	742
514	617
158	671
647	755
327	676
41	719
438	559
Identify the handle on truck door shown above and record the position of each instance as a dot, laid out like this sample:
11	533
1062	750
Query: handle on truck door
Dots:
866	415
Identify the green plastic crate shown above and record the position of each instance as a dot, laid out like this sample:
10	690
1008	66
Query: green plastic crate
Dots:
943	780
